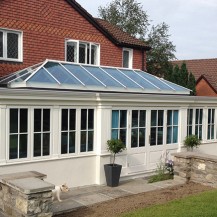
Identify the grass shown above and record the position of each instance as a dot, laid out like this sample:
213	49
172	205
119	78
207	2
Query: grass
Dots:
159	177
201	205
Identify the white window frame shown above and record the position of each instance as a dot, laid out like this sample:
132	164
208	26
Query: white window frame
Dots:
130	63
195	125
68	131
18	133
77	42
211	124
172	126
20	45
138	127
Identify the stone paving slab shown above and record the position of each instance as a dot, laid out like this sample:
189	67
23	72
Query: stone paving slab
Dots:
85	196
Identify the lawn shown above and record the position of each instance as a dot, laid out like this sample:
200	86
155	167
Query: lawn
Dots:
201	205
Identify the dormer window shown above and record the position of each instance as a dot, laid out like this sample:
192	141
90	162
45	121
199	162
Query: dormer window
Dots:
11	45
82	52
127	58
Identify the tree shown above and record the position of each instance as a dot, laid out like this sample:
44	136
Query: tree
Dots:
128	15
181	76
162	50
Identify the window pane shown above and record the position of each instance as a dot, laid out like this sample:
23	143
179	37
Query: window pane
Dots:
82	53
191	116
160	117
37	144
123	136
23	146
72	142
64	143
169	117
46	119
64	120
169	135
208	132
213	115
12	43
115	118
141	137
83	141
153	118
1	44
209	115
134	138
160	136
123	118
90	118
72	119
135	118
190	130
197	116
201	116
46	144
153	136
142	120
94	54
37	120
13	147
126	58
90	140
114	134
23	120
72	52
83	119
175	117
175	134
212	132
13	120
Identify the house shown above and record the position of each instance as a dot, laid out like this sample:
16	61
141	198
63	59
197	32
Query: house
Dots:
62	30
205	71
71	82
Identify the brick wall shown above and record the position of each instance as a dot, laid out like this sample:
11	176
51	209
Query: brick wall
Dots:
203	89
46	25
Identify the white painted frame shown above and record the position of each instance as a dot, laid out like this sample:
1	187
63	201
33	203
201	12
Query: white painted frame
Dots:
5	47
86	43
130	61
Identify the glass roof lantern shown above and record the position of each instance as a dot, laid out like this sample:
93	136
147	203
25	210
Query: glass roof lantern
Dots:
52	74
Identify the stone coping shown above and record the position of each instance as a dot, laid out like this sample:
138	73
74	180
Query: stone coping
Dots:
196	155
21	175
30	185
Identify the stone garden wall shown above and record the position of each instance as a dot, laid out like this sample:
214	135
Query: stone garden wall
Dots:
196	167
25	194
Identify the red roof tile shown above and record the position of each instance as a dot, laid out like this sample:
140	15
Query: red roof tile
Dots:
202	67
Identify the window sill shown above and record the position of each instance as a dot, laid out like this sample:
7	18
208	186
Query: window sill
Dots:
11	60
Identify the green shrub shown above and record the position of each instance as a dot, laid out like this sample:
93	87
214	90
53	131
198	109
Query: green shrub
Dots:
191	142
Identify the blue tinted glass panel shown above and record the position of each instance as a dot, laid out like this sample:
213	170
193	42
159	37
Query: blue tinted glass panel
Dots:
154	80
102	76
82	75
42	76
174	86
175	117
115	118
61	74
175	134
121	78
138	79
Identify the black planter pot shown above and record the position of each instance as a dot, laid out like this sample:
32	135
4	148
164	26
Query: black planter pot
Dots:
112	174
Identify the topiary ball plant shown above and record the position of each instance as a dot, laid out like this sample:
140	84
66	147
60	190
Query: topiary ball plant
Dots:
115	146
192	142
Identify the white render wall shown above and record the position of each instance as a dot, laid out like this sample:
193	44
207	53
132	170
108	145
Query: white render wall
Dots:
87	168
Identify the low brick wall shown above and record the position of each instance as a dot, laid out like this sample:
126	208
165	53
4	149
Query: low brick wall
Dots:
196	167
25	195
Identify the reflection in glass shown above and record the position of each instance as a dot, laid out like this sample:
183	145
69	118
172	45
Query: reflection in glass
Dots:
13	147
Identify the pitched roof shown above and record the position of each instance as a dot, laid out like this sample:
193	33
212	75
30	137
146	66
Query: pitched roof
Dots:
123	37
202	68
113	33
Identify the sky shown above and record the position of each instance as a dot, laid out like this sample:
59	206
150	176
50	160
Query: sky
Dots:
192	23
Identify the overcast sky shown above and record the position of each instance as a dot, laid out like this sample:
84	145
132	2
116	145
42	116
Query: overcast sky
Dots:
193	23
